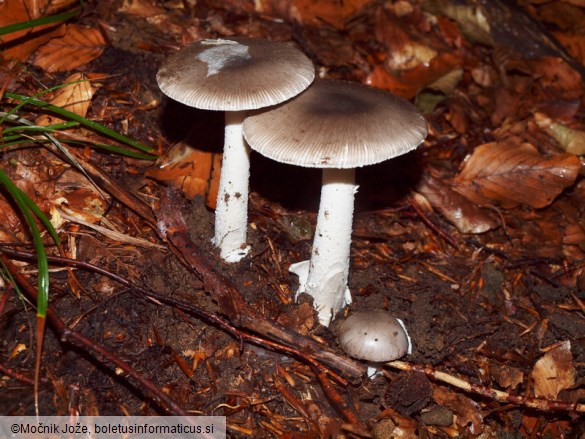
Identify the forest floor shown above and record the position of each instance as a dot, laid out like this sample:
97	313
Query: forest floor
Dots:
475	240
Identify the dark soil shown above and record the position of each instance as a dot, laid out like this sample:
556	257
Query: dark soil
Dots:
473	311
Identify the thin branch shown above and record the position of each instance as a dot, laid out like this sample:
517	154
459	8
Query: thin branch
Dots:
488	392
101	354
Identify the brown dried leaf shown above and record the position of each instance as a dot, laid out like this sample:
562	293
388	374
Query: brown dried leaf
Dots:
468	411
53	6
558	77
78	198
75	97
22	51
570	139
15	11
514	173
508	377
554	372
142	8
309	12
579	3
11	12
193	171
33	7
574	235
433	94
469	17
394	425
77	47
10	224
409	82
301	318
458	210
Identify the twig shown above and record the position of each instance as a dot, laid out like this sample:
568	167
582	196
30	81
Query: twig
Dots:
16	375
434	227
189	307
338	402
172	226
68	335
116	190
488	392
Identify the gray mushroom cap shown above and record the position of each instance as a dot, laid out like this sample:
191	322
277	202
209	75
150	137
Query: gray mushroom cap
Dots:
235	74
336	124
373	336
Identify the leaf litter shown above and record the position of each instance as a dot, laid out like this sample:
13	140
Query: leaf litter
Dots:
483	262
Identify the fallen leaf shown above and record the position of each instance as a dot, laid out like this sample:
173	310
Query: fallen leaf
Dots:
468	411
16	11
557	78
42	8
394	425
76	195
193	171
574	235
20	347
455	208
409	82
579	3
508	377
311	13
514	173
75	97
11	227
554	372
570	139
301	318
77	47
141	8
564	16
26	41
470	18
437	91
553	428
54	6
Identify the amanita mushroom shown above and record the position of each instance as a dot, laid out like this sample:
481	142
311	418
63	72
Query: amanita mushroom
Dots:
373	336
234	75
337	126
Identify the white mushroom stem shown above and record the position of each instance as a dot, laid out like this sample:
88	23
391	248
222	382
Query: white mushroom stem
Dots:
231	212
328	269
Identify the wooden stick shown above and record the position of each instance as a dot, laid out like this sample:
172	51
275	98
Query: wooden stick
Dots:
488	392
67	335
233	305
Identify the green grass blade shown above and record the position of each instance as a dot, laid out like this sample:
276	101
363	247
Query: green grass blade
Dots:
39	22
42	263
41	128
14	110
16	140
58	145
126	152
40	215
82	120
5	273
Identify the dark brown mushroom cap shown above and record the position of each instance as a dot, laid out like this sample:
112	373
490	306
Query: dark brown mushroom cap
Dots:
336	124
235	74
373	336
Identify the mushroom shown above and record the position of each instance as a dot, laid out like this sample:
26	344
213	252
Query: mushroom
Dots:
374	336
234	75
337	126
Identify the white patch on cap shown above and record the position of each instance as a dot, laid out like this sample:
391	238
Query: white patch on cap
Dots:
223	53
217	42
